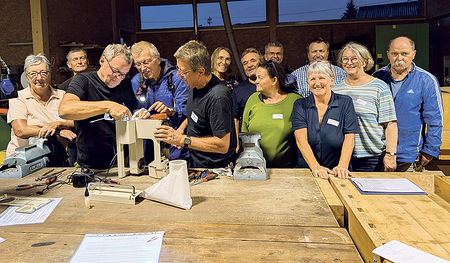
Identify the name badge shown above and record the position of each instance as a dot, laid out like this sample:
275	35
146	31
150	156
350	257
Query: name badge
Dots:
333	122
362	102
277	116
194	117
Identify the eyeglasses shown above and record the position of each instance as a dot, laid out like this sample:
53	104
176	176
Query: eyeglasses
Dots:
224	59
346	60
143	63
183	73
116	73
278	54
34	74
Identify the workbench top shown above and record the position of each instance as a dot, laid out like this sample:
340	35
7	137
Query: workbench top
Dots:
420	221
283	219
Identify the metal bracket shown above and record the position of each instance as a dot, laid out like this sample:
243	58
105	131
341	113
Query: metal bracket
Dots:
26	204
114	193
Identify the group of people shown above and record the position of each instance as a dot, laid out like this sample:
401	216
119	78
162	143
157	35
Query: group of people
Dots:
331	119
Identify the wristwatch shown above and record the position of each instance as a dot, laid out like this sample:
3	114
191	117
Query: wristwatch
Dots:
187	141
391	153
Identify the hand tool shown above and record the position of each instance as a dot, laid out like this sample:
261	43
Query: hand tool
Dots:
207	178
48	182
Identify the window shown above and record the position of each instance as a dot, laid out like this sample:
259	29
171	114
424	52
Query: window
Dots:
306	10
166	16
209	14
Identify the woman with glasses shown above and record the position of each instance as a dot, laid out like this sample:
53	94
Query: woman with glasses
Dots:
34	113
324	125
268	111
376	144
221	66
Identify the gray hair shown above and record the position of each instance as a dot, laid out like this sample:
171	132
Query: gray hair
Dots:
321	67
33	60
360	51
139	47
252	50
196	54
413	45
113	50
273	44
74	50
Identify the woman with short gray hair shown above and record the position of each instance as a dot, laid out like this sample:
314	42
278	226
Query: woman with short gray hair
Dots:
324	125
376	145
34	113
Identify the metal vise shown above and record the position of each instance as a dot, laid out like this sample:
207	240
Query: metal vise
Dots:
250	165
25	161
132	133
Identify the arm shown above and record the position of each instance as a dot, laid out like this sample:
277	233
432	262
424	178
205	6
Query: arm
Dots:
433	117
346	153
23	130
216	144
302	143
72	108
390	161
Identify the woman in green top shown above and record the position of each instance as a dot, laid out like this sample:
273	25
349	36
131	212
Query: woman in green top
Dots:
268	111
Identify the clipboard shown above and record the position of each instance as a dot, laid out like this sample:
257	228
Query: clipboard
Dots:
387	186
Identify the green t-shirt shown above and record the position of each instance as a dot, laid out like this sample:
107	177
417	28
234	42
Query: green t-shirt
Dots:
273	121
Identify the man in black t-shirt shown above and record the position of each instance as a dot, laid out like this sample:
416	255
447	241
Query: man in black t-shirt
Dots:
93	94
209	126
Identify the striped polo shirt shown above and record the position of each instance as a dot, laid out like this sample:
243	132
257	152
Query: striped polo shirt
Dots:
374	107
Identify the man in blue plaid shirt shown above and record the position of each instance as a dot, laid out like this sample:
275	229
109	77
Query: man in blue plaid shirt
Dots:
317	50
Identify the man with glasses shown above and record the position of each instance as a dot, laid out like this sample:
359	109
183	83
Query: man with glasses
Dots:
210	134
316	50
77	61
93	99
34	113
158	89
274	51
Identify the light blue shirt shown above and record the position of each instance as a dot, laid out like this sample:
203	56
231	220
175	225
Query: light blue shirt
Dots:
303	87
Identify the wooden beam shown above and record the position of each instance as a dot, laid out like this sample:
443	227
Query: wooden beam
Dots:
39	26
272	18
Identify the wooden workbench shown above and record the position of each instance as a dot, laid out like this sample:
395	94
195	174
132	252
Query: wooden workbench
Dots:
283	219
421	221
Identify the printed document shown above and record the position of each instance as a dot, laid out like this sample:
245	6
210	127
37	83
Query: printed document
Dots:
398	252
10	217
127	247
386	186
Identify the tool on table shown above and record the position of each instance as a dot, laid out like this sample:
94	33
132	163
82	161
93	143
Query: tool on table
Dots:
46	175
48	182
207	178
250	165
25	161
194	176
132	133
107	180
26	204
115	193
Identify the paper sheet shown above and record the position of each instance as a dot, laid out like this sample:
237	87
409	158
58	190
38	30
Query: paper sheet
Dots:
398	252
387	185
1	240
128	247
9	217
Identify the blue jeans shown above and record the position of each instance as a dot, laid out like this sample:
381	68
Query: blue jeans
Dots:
368	164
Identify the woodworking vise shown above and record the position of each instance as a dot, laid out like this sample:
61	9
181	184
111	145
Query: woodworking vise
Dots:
25	161
133	132
250	164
